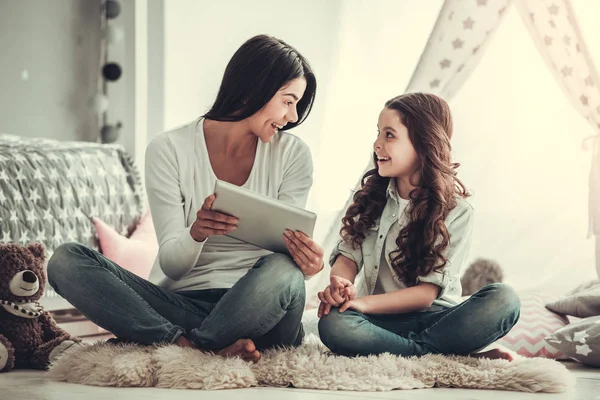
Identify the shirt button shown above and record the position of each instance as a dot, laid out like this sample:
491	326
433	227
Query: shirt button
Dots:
380	236
377	266
394	215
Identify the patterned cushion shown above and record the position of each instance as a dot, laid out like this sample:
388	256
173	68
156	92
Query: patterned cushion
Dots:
580	341
535	323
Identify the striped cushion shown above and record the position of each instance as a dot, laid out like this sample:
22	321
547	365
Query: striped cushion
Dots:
536	322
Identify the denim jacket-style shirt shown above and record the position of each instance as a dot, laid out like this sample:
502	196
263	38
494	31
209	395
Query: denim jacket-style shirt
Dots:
369	256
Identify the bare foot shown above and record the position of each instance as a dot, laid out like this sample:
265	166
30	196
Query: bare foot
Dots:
494	354
182	341
243	348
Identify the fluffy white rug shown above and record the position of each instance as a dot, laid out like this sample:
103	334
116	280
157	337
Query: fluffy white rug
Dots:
310	366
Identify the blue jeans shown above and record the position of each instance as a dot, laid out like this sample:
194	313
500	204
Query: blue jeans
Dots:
463	329
265	305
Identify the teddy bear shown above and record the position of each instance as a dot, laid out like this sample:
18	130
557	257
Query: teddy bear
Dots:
29	336
480	273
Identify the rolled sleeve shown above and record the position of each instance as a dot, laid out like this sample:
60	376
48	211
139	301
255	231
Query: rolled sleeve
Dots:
440	279
347	251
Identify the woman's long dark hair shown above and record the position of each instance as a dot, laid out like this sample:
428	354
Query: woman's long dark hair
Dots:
257	70
421	242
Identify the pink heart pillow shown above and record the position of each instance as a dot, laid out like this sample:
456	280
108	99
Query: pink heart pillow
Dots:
136	253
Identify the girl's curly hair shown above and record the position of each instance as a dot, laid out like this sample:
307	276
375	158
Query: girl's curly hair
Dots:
421	242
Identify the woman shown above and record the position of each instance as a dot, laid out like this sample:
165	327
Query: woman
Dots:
207	290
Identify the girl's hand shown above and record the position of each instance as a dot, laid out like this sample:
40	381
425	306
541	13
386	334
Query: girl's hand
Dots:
336	293
307	254
356	304
350	292
324	308
209	223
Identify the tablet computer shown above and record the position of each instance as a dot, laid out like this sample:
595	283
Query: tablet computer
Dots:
262	219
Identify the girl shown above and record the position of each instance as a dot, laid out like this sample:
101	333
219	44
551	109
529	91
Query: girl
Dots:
409	230
207	290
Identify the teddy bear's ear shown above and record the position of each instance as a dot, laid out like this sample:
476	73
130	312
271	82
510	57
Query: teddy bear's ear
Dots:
37	249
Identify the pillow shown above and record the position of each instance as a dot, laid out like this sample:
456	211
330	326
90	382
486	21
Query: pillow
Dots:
584	286
535	323
583	304
136	253
580	341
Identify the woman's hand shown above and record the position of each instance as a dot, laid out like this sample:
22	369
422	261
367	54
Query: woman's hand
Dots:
336	293
356	304
307	254
209	223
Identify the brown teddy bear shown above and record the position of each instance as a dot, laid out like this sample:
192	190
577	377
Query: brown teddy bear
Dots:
29	336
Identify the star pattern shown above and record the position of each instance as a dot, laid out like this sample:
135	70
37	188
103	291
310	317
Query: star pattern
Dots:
583	349
580	336
6	237
49	191
579	340
460	37
584	100
560	42
553	9
457	40
589	81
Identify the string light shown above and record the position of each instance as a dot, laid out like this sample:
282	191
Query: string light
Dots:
110	71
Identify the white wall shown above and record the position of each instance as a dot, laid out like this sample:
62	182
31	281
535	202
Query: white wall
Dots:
49	67
122	93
